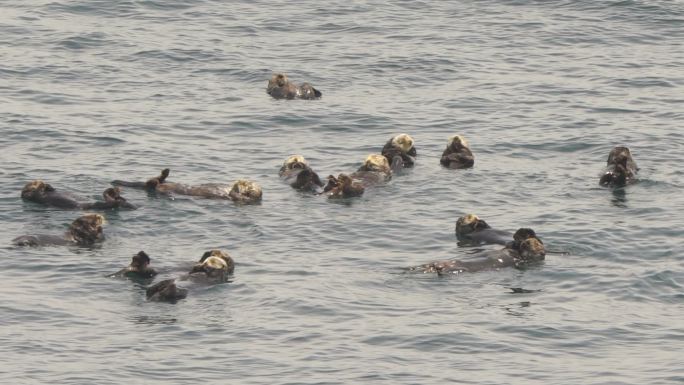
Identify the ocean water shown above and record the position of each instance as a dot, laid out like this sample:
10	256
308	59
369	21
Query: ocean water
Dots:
95	90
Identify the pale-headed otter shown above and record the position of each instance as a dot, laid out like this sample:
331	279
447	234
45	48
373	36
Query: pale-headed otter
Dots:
457	154
526	252
621	168
84	231
280	87
298	174
38	191
241	191
215	266
245	191
165	291
400	146
343	187
138	269
471	230
374	170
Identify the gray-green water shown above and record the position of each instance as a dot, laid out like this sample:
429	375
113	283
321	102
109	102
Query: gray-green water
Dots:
92	91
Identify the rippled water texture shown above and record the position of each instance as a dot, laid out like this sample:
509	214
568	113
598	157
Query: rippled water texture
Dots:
98	90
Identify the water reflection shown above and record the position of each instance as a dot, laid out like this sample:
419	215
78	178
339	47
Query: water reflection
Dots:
619	197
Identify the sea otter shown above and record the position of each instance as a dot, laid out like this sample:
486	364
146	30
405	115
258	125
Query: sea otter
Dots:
214	266
38	191
138	269
457	154
165	291
515	255
401	146
242	191
343	187
299	175
621	168
374	170
471	230
280	87
84	231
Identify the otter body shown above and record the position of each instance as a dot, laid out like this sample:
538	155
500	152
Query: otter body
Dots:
84	231
215	266
165	291
375	170
457	154
280	87
621	168
471	230
343	187
242	191
515	255
38	191
400	146
297	173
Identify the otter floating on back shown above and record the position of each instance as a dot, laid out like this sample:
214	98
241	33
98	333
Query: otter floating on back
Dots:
214	266
280	87
621	168
299	175
457	154
38	191
84	231
401	146
374	170
242	191
471	230
525	249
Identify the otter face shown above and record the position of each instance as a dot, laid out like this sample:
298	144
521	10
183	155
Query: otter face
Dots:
618	152
140	260
376	162
35	189
87	229
294	162
403	142
227	260
457	141
277	80
532	249
245	191
469	223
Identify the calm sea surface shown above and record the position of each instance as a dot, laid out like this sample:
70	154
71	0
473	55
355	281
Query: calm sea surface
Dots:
96	90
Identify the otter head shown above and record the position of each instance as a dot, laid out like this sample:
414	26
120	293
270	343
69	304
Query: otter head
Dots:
403	142
140	261
245	191
294	162
619	152
469	223
375	162
277	80
524	233
35	189
332	183
230	264
87	229
457	142
532	249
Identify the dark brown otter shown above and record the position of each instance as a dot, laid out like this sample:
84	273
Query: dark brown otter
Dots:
343	187
242	191
280	87
38	191
165	291
457	154
621	168
84	231
400	146
471	230
526	252
138	269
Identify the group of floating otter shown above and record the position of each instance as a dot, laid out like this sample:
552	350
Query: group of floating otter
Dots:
520	249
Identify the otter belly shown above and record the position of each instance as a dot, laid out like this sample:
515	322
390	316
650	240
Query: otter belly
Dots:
487	236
